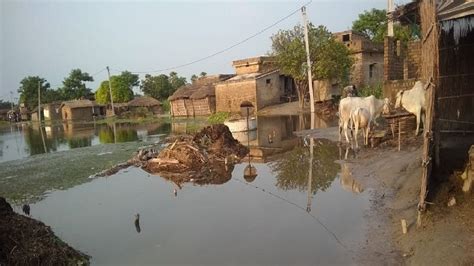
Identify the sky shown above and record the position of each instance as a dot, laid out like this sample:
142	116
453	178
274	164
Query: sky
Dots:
50	38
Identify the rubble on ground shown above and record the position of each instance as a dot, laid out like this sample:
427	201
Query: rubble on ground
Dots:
205	158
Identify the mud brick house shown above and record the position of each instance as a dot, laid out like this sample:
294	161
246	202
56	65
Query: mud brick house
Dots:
149	103
198	98
81	110
368	58
258	81
49	112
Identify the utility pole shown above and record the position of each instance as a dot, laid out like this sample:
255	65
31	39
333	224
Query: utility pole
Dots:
390	18
11	99
39	102
110	91
308	59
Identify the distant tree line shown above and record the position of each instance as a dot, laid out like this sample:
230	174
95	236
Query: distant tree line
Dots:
74	86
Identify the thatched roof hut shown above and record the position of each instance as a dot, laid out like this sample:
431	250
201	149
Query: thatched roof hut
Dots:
197	98
144	101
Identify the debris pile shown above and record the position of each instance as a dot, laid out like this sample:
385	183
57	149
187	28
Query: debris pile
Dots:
26	241
206	157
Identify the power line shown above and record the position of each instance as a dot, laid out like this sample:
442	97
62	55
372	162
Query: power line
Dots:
225	49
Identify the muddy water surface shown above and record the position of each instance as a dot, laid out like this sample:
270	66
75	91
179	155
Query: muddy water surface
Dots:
300	209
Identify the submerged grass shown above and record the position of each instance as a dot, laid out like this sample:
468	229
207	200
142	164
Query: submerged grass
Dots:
28	180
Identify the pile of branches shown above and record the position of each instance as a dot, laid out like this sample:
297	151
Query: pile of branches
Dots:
206	157
26	241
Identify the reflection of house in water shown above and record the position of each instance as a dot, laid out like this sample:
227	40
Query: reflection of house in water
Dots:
274	134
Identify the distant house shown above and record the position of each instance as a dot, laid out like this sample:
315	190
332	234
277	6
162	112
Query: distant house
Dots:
4	114
81	110
198	98
257	81
368	58
149	103
49	111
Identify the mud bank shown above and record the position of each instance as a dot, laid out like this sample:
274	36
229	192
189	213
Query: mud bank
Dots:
446	236
26	241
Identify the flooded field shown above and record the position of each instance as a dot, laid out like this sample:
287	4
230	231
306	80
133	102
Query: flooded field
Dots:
303	207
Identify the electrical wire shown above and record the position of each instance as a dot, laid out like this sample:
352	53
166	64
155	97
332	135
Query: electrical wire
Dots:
225	49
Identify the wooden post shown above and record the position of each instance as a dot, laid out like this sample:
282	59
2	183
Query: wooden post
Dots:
399	133
429	73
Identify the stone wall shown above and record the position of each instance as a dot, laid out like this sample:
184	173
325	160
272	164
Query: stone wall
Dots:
229	95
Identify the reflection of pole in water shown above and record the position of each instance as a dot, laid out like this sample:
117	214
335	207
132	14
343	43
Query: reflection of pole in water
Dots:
115	132
310	174
310	170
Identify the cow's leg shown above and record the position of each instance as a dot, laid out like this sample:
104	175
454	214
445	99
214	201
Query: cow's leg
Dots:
418	117
356	125
423	119
345	130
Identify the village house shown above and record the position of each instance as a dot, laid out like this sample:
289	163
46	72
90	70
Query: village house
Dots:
257	81
147	103
198	98
81	110
49	112
368	58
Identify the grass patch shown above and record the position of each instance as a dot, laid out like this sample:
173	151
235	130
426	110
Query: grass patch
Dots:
376	90
218	118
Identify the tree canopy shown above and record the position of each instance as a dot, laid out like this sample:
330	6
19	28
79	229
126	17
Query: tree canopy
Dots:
74	85
158	87
5	104
330	59
373	25
122	88
29	90
194	77
162	86
176	81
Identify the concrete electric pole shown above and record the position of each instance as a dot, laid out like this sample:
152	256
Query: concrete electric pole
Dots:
308	59
110	91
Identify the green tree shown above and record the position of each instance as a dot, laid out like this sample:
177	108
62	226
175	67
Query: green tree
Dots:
373	25
74	86
194	77
203	74
158	87
51	95
29	90
330	59
121	91
176	81
5	104
131	79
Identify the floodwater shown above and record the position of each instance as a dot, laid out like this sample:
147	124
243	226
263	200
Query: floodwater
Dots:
302	208
23	140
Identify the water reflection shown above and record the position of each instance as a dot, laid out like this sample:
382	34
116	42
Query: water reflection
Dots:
20	141
348	182
291	168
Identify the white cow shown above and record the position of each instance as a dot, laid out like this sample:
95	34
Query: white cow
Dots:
349	104
414	101
360	118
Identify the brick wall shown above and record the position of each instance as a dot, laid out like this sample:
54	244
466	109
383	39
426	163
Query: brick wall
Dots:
391	87
401	61
229	95
201	106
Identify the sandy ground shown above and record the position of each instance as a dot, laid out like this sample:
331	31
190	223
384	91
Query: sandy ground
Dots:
446	236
